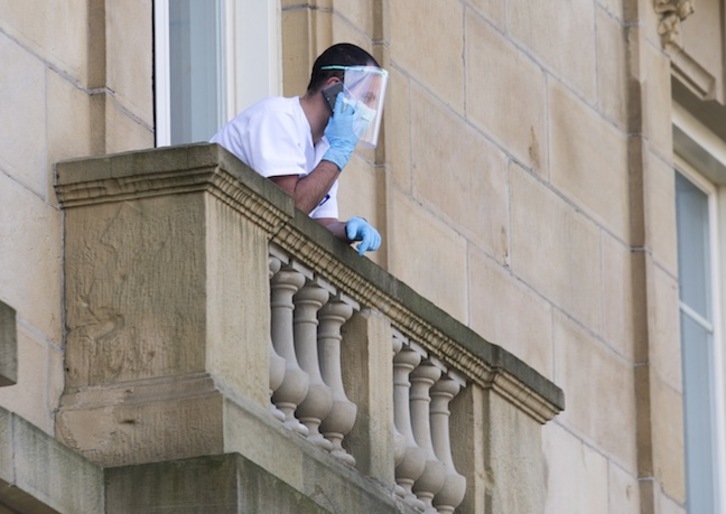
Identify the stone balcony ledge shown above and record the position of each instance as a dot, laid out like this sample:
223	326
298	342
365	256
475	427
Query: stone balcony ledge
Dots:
206	315
211	168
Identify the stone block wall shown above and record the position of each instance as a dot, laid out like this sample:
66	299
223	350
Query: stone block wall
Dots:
76	82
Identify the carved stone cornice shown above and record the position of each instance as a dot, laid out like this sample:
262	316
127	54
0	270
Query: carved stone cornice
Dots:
172	170
672	13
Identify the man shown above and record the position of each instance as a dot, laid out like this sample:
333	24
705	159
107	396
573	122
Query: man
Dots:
303	143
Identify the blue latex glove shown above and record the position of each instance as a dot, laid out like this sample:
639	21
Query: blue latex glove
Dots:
340	133
358	229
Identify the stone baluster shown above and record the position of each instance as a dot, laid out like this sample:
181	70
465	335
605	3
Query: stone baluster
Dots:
283	286
399	440
434	474
319	400
277	363
454	488
342	416
414	458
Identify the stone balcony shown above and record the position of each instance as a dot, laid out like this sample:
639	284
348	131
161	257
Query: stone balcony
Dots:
212	326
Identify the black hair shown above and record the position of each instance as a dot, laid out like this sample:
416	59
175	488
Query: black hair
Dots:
341	54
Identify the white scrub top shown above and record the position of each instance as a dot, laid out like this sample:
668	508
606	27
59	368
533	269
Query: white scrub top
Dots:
273	137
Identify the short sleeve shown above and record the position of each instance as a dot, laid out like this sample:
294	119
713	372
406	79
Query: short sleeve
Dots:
275	144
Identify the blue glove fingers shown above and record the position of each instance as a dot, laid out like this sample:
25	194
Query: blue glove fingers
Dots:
351	228
366	239
358	229
340	133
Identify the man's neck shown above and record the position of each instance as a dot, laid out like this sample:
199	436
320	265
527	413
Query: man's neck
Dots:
317	113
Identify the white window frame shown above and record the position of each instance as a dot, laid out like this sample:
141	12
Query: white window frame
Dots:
251	51
700	156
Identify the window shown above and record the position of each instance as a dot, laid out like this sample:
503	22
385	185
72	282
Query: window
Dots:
211	60
700	181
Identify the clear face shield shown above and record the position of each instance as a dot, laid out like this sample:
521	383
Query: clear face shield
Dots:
365	88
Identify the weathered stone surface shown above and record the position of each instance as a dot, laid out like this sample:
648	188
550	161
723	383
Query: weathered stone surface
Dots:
494	10
444	145
567	456
505	95
551	33
136	290
29	397
659	200
38	474
588	160
656	113
667	426
222	484
29	273
442	275
226	483
367	371
623	493
513	454
585	367
143	421
555	250
129	67
336	486
42	27
397	130
494	293
69	122
22	145
611	70
619	304
664	313
435	61
8	345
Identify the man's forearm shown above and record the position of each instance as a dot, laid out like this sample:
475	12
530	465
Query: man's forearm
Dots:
335	226
308	191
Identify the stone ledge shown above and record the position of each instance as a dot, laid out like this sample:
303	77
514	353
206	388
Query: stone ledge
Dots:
8	346
39	474
219	483
227	483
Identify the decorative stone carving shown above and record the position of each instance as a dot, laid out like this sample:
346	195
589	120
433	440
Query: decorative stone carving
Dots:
672	13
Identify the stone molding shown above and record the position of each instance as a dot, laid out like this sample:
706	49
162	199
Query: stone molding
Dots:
212	169
39	474
671	13
8	346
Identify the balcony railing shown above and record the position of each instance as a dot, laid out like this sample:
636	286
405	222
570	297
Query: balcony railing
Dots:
206	315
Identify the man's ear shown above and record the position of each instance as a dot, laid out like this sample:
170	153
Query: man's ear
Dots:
331	81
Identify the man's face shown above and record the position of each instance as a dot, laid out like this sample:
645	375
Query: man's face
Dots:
366	85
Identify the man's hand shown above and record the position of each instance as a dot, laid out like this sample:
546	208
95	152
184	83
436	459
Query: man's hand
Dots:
358	229
340	133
